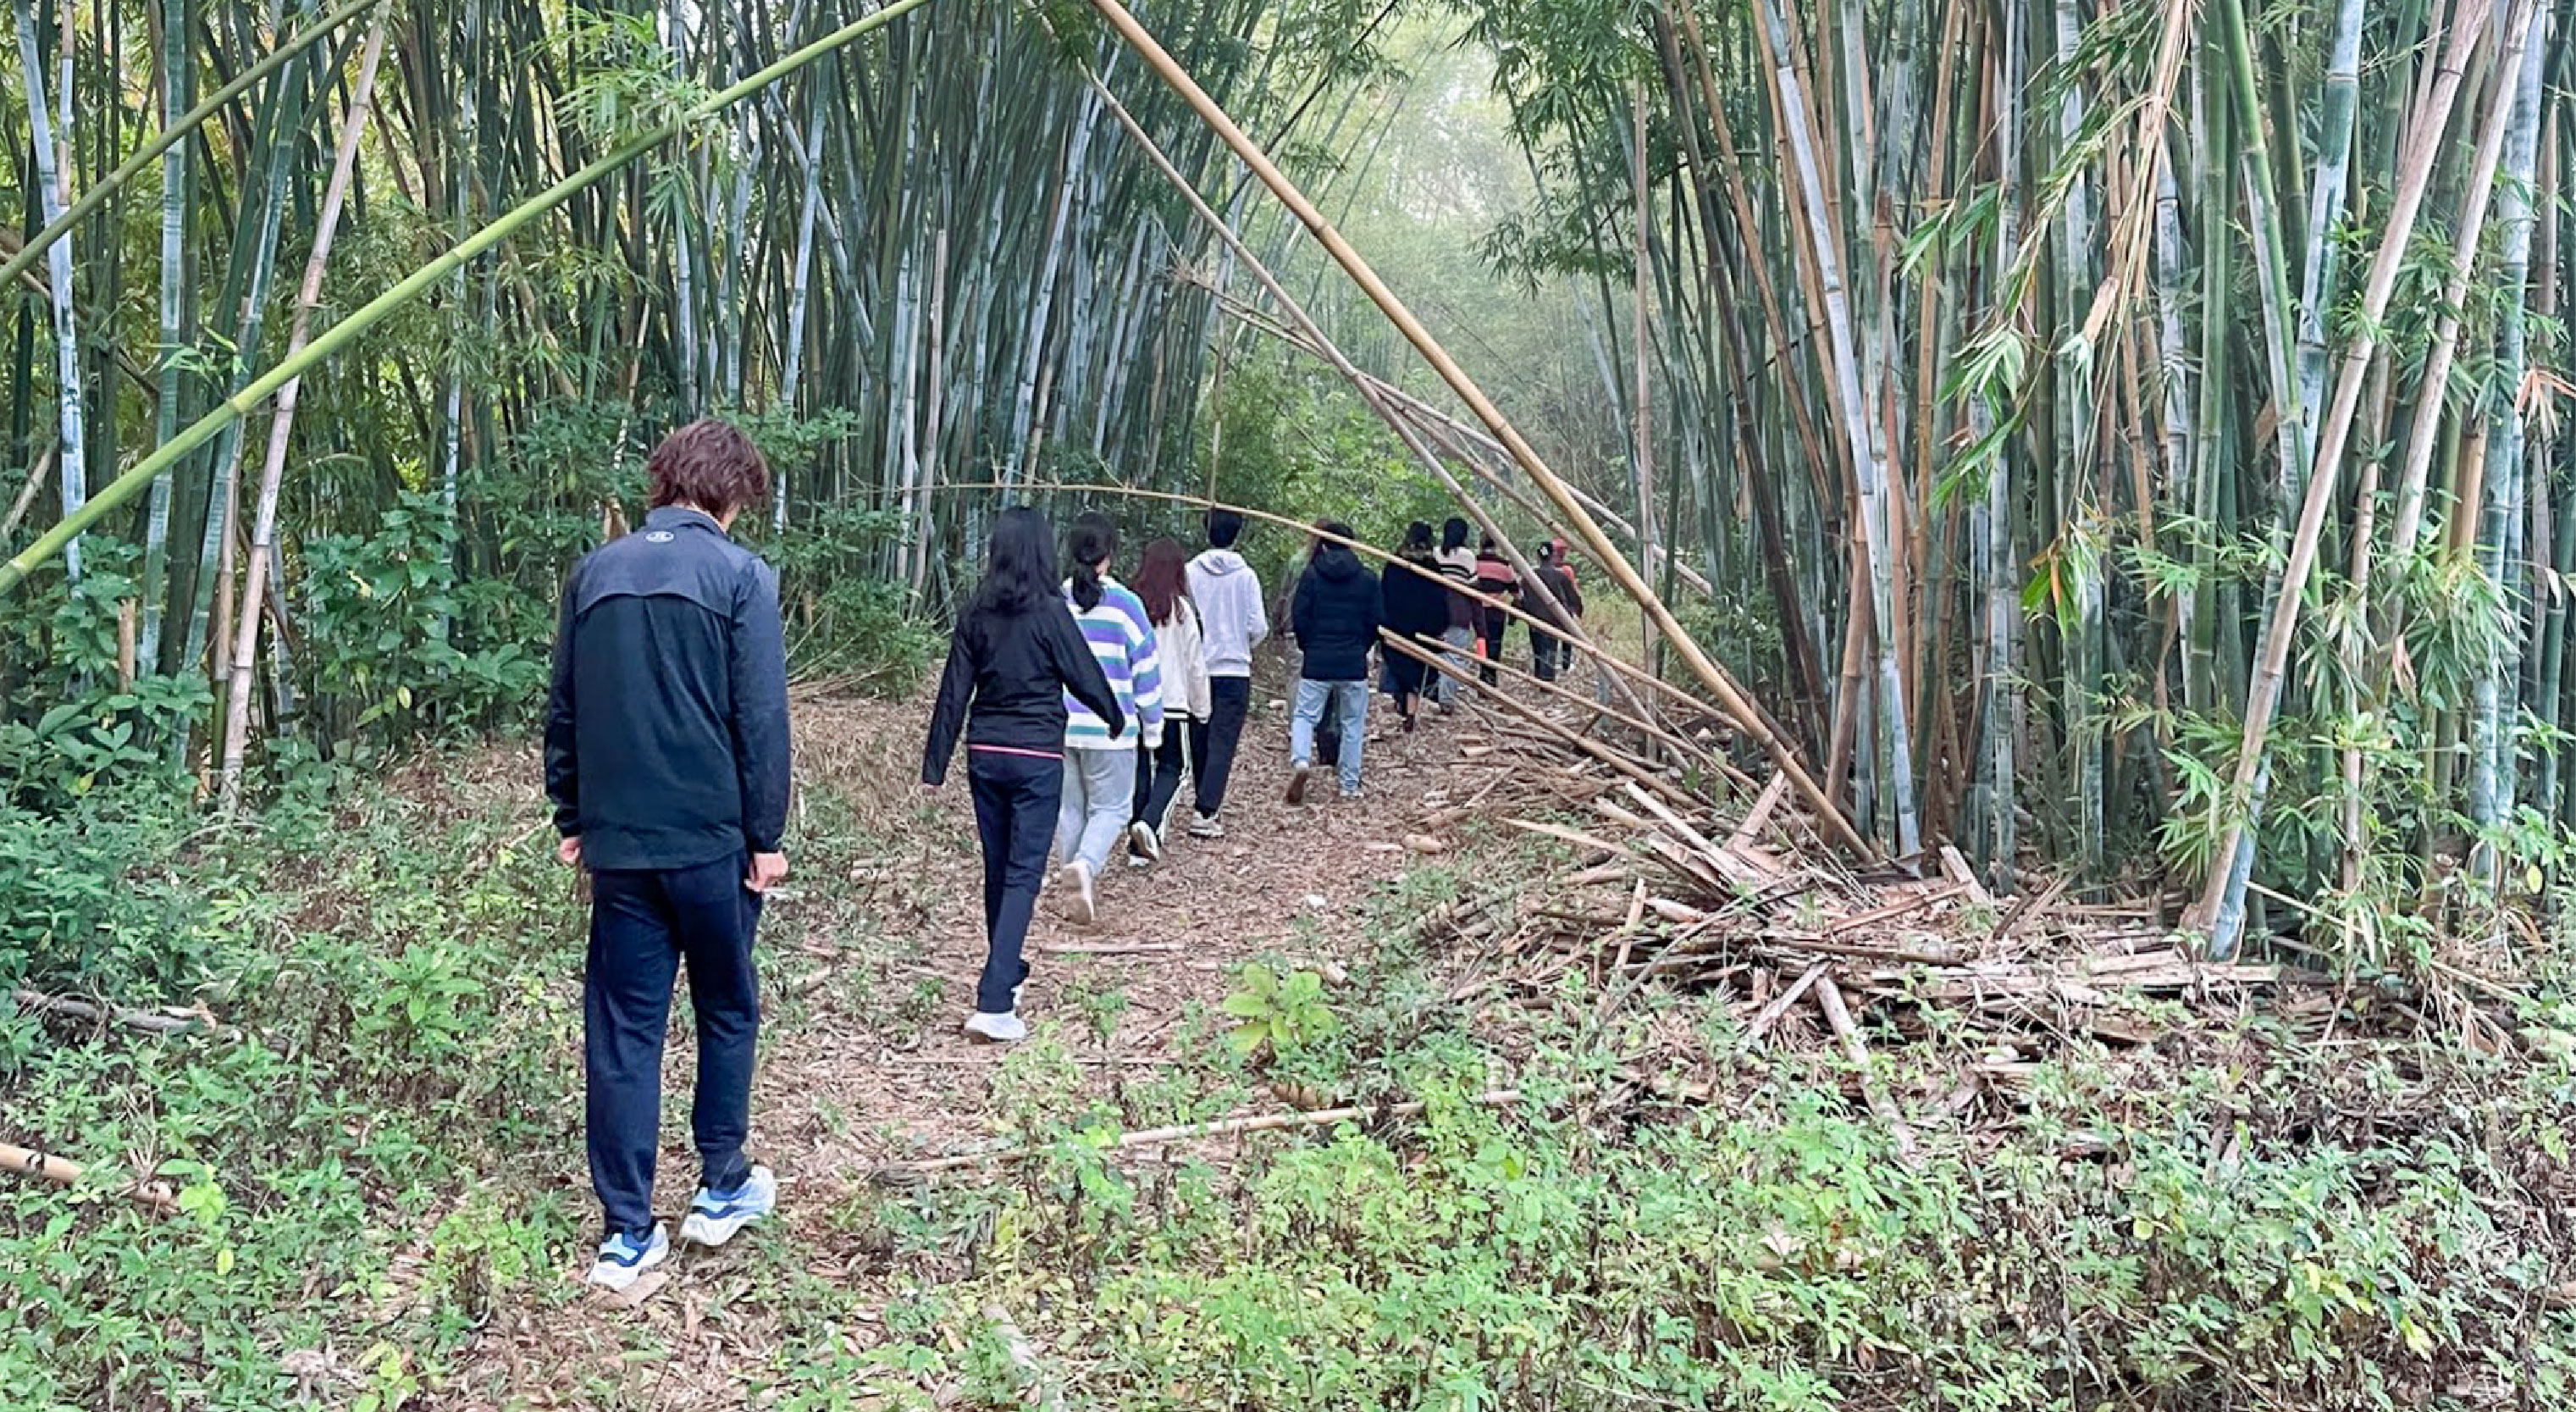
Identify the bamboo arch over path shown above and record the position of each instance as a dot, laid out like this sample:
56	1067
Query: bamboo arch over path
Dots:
1731	698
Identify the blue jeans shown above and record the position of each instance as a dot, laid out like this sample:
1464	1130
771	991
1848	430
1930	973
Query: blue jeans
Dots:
1099	803
643	925
1015	804
1348	700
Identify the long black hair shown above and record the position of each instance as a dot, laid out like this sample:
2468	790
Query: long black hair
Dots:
1453	535
1094	539
1019	565
1417	539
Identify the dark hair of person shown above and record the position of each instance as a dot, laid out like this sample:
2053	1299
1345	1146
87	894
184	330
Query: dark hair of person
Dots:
1453	535
1490	547
1328	534
1094	540
1547	551
1417	538
1163	579
1224	527
1019	565
709	465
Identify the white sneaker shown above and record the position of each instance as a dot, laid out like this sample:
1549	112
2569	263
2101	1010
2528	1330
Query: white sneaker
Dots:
623	1259
718	1216
1141	838
996	1029
1082	902
1205	826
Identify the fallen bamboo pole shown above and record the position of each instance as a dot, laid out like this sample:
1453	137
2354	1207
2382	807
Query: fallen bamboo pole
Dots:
62	1171
1732	697
1190	1132
144	1020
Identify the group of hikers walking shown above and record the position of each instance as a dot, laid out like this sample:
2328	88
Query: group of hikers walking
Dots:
1081	701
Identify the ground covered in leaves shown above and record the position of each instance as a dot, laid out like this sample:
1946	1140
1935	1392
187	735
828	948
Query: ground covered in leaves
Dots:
1570	1183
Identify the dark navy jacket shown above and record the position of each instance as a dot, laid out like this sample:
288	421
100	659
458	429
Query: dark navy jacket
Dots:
1335	615
666	736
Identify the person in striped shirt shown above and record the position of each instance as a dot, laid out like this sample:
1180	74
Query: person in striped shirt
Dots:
1099	757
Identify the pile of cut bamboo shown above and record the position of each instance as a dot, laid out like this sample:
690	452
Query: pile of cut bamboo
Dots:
1686	876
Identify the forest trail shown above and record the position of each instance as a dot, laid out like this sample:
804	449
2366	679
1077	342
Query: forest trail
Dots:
863	1064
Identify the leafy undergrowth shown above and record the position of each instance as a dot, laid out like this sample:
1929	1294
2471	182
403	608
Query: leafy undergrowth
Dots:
379	1149
379	1178
2279	1226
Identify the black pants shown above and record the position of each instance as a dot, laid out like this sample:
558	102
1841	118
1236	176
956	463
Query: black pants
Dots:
1213	741
1158	772
1549	654
1016	797
643	925
1491	629
1406	676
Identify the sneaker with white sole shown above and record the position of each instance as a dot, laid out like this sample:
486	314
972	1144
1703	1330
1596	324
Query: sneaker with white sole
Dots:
1205	826
1081	897
718	1216
996	1029
623	1258
1144	842
1297	784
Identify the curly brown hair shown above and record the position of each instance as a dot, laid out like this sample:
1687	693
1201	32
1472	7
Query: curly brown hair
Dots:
711	465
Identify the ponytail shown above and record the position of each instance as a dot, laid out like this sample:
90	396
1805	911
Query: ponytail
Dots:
1094	539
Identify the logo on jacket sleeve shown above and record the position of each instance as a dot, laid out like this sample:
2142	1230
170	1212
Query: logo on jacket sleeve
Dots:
660	537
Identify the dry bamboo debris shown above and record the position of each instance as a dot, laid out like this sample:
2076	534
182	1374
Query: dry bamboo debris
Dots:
1666	883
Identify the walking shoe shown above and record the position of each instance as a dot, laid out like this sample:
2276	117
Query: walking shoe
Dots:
1144	842
625	1256
1350	791
1297	785
1206	826
717	1216
996	1029
1082	900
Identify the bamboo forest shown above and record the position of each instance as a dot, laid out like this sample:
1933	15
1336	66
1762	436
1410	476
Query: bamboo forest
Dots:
1843	704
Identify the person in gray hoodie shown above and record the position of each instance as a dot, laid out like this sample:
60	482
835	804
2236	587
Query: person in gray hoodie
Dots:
1232	622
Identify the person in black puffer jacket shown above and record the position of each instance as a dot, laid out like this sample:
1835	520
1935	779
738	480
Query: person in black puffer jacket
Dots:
1416	609
1335	615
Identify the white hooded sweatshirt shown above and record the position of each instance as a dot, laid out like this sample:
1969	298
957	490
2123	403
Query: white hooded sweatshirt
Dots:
1232	621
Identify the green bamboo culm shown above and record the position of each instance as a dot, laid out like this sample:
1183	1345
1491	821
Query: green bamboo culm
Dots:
125	487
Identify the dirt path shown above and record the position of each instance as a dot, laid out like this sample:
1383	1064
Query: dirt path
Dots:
872	969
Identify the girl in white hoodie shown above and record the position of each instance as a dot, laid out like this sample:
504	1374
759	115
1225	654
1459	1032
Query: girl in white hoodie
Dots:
1162	580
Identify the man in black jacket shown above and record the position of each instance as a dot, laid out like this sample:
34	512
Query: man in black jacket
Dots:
1335	615
666	759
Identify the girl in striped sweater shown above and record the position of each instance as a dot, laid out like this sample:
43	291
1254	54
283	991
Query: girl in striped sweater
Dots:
1099	755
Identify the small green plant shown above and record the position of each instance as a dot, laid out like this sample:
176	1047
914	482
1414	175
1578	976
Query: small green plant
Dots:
1277	1014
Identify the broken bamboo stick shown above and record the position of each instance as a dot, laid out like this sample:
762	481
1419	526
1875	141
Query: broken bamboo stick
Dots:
1829	998
62	1171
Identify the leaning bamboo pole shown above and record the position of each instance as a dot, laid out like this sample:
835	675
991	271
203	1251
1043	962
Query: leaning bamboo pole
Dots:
263	540
1741	708
342	334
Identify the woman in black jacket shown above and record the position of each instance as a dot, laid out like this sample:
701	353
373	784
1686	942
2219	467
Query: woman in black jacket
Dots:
1416	609
1015	654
